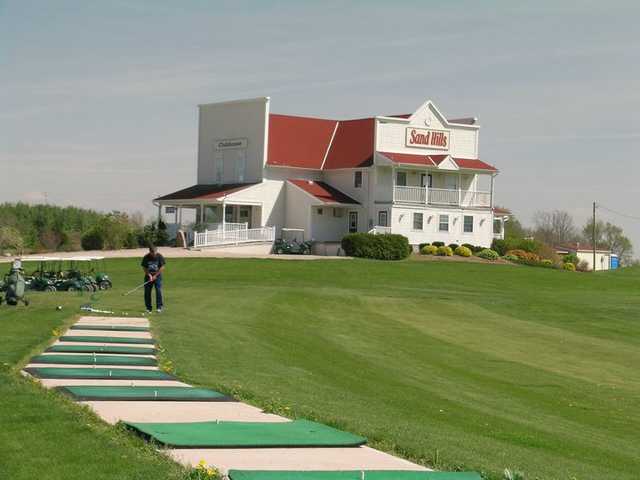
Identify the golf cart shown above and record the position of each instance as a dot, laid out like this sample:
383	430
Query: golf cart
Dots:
44	278
292	242
14	285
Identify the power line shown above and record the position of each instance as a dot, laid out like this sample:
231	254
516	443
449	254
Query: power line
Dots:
632	217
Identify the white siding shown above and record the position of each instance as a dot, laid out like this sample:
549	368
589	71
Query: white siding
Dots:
402	223
298	209
326	227
343	180
232	120
603	260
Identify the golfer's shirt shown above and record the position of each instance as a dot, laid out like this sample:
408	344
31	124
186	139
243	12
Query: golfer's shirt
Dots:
153	264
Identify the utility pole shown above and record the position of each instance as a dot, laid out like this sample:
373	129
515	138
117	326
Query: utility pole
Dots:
593	241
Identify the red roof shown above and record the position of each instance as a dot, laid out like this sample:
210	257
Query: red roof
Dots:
205	192
352	146
433	160
300	142
323	192
501	211
581	247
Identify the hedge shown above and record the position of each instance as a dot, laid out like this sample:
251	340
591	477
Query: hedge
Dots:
380	247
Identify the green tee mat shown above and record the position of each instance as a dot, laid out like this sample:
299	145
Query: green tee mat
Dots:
296	433
95	360
98	373
175	394
99	339
350	475
113	328
101	349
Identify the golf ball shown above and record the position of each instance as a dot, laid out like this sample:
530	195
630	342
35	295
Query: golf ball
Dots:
59	307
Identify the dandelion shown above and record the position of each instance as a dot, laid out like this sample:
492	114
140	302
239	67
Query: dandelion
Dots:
211	472
202	464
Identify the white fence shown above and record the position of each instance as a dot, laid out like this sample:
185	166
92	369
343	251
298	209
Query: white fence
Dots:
378	230
220	236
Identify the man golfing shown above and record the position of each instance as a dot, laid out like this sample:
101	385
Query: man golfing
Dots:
153	265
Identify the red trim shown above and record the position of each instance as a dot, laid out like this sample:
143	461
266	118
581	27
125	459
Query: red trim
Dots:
323	191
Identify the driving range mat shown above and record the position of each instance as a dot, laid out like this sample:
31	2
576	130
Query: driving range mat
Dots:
98	373
100	339
350	475
175	394
294	434
101	349
113	328
95	360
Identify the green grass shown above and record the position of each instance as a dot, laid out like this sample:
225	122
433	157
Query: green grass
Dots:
455	365
44	435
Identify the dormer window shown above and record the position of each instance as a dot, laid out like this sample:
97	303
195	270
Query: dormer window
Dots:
357	179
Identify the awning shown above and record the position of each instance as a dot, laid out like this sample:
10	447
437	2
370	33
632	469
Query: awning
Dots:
200	193
323	192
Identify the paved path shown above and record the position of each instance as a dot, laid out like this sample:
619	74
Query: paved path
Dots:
173	252
356	458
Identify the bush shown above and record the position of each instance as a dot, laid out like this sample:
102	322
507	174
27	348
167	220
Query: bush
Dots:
571	258
381	247
569	266
453	246
545	262
503	246
468	245
499	246
422	245
488	254
510	258
444	251
10	239
583	266
429	250
93	240
437	244
526	257
463	251
477	249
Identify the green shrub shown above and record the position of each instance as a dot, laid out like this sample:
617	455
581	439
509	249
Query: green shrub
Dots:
503	246
525	257
571	258
444	251
422	245
510	258
93	240
437	244
453	246
10	240
381	247
463	251
569	266
468	245
488	254
545	262
477	249
429	250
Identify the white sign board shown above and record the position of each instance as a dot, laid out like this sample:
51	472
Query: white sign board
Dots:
427	138
231	143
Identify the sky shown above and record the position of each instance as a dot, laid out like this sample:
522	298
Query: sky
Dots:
98	99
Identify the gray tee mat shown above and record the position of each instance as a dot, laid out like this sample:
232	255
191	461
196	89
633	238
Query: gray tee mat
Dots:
340	452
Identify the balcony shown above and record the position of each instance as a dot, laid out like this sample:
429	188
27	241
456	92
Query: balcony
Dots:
441	196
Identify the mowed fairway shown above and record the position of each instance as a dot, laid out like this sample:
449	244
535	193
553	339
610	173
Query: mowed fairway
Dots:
452	364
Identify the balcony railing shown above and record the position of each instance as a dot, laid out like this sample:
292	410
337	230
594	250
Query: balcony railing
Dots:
441	196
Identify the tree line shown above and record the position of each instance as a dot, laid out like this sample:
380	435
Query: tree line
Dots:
558	228
26	228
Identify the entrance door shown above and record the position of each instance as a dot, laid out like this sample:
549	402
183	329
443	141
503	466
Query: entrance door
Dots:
245	215
353	222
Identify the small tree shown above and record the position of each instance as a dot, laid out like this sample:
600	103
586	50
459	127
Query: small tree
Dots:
10	239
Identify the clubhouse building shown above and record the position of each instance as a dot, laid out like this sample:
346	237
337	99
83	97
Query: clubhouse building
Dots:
258	173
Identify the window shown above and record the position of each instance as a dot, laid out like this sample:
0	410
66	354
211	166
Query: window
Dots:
497	226
417	221
241	165
444	223
337	212
357	179
219	165
468	224
319	211
353	222
401	179
426	180
382	218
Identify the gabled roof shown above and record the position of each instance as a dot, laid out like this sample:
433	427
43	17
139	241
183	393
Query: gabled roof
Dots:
435	160
323	191
352	145
205	192
501	211
580	247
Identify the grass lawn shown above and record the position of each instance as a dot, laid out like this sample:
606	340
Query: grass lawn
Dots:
456	365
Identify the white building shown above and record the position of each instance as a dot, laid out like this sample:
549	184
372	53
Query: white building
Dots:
418	175
584	253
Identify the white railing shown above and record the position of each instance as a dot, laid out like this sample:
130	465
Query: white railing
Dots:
410	194
211	238
378	230
228	226
442	196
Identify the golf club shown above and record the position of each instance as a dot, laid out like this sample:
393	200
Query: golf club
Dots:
137	288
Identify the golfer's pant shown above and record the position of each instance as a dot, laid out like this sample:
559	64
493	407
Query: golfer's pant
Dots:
147	293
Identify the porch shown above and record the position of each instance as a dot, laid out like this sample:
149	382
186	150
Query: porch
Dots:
441	196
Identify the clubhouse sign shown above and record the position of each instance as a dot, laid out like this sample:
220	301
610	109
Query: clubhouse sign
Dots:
427	138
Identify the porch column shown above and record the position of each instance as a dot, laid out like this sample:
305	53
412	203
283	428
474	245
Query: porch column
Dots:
159	213
459	189
180	216
202	213
491	195
393	183
224	216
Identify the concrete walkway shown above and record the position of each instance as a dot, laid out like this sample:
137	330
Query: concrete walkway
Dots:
356	458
